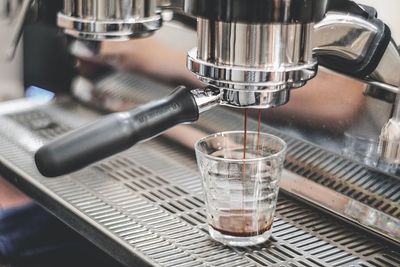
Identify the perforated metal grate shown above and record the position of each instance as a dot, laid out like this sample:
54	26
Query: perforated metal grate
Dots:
156	211
308	238
39	123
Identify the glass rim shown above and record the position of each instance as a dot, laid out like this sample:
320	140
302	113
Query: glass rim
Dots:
276	138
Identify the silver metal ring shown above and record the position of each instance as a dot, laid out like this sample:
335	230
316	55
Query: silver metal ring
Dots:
260	99
108	29
247	87
250	78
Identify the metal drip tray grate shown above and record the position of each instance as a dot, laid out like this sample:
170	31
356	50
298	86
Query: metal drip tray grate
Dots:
39	123
147	203
300	235
368	187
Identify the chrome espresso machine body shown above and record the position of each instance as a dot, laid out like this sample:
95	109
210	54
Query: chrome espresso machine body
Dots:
343	142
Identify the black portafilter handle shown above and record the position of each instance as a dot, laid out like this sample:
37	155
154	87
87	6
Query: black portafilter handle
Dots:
115	133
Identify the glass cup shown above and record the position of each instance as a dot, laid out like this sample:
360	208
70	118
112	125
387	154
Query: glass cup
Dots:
241	183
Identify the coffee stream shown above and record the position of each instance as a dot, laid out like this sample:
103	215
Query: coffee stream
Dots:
259	129
245	137
245	134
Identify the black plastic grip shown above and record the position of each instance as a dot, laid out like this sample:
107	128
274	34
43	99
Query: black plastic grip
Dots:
115	133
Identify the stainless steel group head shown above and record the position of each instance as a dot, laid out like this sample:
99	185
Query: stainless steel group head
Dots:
254	51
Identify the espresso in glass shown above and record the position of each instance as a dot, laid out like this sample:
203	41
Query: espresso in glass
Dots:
240	192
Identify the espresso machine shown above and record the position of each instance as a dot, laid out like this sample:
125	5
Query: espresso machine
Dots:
247	60
249	55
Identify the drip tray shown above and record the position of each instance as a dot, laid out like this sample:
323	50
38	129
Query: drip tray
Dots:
145	207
